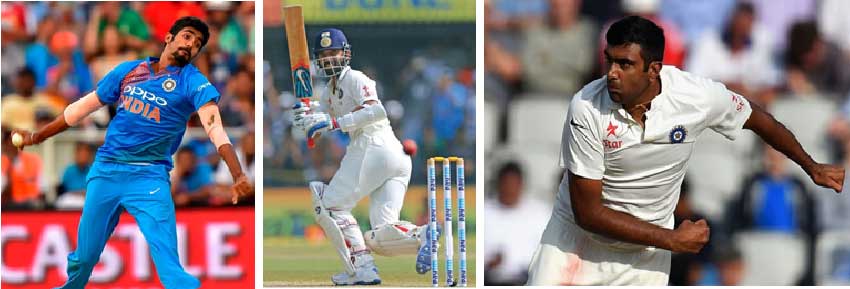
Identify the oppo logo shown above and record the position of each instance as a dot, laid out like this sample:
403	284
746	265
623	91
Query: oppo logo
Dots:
140	93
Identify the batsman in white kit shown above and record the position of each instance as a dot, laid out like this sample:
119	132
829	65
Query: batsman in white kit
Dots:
626	143
374	165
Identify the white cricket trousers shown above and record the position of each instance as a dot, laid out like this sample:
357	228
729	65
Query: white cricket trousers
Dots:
374	165
569	255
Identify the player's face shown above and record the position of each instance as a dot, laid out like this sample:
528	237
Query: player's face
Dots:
627	78
185	45
331	61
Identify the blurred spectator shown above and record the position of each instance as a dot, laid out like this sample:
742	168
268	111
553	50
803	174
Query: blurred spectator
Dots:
814	66
191	179
19	108
695	17
70	77
223	179
732	54
776	200
546	69
161	15
105	44
72	190
730	266
503	69
515	223
23	181
449	103
776	18
834	23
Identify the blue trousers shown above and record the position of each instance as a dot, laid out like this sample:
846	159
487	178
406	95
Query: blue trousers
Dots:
145	192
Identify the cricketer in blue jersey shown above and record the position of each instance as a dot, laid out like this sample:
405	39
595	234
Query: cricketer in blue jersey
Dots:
154	98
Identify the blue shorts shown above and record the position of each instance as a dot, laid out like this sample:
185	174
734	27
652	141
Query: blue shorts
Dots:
145	192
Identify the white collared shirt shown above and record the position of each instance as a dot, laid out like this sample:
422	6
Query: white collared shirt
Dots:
642	169
353	89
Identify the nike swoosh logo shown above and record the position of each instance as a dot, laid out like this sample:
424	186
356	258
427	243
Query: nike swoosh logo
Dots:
573	122
154	191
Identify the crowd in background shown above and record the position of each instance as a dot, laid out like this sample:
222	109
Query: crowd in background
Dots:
791	57
53	53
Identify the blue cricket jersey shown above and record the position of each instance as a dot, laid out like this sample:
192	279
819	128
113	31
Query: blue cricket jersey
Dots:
152	110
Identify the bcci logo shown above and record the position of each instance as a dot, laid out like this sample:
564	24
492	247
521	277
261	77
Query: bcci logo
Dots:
169	84
302	85
326	39
678	134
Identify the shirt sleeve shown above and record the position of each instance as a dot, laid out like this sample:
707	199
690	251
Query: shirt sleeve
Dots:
365	90
202	91
109	87
581	144
728	111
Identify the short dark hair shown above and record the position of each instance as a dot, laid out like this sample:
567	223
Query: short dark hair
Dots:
510	168
194	22
640	31
26	72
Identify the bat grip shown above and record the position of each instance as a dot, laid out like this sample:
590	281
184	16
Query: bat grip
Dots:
311	143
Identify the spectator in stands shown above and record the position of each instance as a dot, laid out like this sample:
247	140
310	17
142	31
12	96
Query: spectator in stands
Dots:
730	265
813	65
733	54
696	17
104	44
245	151
775	200
72	190
545	68
448	110
20	107
70	77
514	225
191	179
23	181
777	17
834	23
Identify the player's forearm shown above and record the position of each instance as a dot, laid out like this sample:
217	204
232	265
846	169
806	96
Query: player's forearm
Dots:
591	215
624	227
55	127
364	115
230	159
779	137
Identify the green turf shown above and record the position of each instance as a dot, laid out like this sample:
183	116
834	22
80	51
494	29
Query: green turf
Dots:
290	261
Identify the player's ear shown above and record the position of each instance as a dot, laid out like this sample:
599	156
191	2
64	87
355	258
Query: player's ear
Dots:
654	69
168	37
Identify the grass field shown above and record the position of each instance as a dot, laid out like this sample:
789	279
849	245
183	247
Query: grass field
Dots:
295	261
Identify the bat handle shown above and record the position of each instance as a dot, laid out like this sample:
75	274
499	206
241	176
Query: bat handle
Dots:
311	143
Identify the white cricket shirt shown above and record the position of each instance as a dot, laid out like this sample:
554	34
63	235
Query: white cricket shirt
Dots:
642	169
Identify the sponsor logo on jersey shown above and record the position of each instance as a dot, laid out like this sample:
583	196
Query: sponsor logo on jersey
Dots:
139	101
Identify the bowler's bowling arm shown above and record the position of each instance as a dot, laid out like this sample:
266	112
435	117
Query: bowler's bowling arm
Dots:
211	120
73	114
591	215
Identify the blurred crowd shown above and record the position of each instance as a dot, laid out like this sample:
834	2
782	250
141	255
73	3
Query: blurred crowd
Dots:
53	53
791	57
428	92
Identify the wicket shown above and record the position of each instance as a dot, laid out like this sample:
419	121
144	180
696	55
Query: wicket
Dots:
447	225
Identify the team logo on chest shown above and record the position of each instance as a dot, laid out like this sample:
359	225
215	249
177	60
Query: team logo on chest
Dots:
169	84
678	134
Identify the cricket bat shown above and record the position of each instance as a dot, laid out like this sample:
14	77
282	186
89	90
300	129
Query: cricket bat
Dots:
299	56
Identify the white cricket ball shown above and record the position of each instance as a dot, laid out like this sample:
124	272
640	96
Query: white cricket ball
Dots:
17	139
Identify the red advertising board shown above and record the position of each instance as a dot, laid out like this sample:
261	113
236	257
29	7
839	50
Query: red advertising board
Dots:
215	244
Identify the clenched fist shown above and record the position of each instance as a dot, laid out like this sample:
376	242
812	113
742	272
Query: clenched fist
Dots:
241	188
690	237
